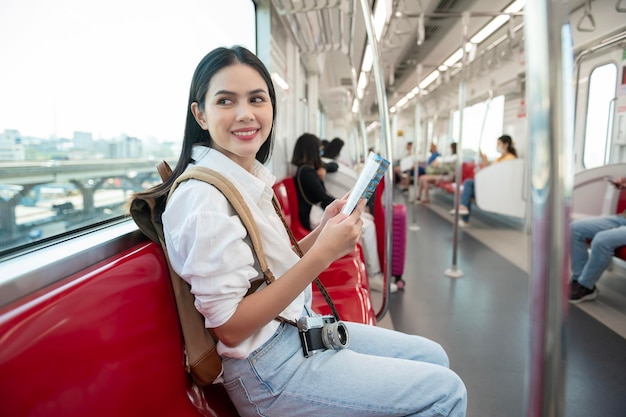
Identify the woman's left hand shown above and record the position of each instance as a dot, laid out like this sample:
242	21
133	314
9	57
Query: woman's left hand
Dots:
332	210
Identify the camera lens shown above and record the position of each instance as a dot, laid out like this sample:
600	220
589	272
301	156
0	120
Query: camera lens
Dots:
335	335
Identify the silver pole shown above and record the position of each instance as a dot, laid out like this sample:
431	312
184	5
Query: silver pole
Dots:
417	143
383	110
549	70
454	271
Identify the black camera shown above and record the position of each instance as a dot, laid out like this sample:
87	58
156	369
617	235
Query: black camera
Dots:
319	333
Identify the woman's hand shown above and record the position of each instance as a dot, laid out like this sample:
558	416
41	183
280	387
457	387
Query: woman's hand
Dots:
620	183
331	211
321	172
340	234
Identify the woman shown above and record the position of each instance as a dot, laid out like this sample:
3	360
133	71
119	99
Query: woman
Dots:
229	128
309	179
507	152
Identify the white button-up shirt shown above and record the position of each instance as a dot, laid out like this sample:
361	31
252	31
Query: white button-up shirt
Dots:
206	246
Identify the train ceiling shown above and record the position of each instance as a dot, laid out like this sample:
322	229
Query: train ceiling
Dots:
333	31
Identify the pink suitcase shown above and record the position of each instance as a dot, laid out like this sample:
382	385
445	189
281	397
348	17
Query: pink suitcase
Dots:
399	227
398	247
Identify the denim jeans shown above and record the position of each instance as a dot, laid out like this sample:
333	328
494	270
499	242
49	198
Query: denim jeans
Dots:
381	373
606	234
467	196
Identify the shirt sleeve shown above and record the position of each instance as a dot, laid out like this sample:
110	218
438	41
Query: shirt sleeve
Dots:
206	246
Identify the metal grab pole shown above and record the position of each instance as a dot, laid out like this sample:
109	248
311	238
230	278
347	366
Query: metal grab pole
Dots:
413	226
383	110
549	98
454	271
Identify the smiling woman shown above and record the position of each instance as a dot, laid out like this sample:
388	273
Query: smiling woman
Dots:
238	110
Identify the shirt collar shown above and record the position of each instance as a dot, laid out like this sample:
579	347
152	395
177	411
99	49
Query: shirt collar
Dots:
255	184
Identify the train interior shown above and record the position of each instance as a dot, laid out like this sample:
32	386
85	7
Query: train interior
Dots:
86	308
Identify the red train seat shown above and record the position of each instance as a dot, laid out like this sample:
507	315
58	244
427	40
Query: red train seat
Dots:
353	303
285	191
104	342
467	172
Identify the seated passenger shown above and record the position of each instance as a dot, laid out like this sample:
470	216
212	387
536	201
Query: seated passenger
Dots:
606	233
507	152
407	174
312	194
403	165
441	169
267	368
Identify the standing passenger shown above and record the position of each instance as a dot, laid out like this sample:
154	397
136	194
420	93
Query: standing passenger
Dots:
229	128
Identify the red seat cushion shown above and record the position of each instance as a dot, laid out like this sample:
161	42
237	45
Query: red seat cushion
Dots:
352	302
347	270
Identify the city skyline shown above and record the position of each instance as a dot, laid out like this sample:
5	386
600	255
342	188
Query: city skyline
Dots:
112	69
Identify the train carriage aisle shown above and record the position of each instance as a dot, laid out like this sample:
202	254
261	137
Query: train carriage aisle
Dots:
482	318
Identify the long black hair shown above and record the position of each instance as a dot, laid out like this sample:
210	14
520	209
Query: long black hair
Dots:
307	151
506	140
213	62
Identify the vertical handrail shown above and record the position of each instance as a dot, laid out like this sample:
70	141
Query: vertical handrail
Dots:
549	70
383	110
454	271
609	131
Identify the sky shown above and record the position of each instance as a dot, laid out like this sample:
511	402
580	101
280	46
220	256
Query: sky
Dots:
109	67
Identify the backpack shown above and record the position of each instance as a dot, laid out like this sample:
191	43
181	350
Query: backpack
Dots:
202	361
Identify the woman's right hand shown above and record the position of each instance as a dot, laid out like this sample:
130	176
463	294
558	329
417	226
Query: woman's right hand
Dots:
340	235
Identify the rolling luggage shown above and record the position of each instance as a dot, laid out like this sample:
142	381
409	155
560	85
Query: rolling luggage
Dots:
399	230
398	251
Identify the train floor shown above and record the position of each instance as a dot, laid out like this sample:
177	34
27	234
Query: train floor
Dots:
482	318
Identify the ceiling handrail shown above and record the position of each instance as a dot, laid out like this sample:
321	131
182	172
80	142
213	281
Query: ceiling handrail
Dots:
588	15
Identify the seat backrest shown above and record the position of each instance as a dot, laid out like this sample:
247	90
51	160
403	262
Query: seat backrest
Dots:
285	191
510	199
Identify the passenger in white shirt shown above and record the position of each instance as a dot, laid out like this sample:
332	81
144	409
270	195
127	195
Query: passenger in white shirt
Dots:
231	111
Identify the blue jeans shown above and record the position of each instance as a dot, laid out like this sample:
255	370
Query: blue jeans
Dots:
381	373
467	197
606	234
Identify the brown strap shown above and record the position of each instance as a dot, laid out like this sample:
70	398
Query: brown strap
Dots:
236	200
234	197
164	170
296	246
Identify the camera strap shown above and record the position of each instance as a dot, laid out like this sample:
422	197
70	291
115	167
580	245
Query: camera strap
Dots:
296	246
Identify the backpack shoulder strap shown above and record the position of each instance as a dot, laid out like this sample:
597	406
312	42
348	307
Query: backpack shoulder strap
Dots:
164	170
236	200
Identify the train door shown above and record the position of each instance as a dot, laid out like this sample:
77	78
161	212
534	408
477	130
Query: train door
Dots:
600	124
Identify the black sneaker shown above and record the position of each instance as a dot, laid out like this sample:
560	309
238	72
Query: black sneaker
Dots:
578	293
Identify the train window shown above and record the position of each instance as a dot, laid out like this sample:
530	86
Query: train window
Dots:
92	94
602	85
482	125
